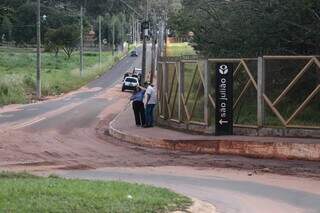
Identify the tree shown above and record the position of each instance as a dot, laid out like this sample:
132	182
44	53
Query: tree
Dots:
6	28
249	28
69	38
25	28
65	38
121	27
53	41
22	15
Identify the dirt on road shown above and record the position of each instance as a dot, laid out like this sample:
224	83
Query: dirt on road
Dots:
67	147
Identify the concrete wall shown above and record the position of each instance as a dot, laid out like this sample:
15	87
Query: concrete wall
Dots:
265	131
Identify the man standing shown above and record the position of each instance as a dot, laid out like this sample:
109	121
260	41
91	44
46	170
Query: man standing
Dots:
138	106
151	103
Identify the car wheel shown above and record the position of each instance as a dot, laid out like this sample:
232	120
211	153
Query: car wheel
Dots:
123	89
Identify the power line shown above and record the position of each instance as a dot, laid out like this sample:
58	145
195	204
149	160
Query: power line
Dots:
131	8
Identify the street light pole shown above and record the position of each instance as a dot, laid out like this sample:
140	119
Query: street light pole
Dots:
133	31
81	40
121	35
153	50
38	86
144	56
145	31
138	37
113	37
100	43
147	10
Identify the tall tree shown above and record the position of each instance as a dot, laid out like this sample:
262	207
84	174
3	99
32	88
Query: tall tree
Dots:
251	27
6	29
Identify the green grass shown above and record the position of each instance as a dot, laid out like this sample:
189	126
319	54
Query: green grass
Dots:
179	49
59	74
26	193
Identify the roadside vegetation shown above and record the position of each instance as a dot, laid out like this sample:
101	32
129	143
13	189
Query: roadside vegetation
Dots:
255	28
180	49
59	74
60	36
27	193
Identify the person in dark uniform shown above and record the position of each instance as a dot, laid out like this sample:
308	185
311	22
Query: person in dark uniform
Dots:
138	106
125	75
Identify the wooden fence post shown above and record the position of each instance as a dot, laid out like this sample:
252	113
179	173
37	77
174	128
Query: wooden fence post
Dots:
180	91
260	92
159	90
165	90
206	86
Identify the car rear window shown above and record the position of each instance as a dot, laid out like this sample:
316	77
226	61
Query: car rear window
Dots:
132	80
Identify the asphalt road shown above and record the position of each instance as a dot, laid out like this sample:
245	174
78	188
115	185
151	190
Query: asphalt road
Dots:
230	191
32	113
61	133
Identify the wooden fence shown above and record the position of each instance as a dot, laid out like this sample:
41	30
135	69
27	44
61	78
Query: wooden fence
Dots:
262	100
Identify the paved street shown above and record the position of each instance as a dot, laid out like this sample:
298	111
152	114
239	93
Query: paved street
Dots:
230	191
27	112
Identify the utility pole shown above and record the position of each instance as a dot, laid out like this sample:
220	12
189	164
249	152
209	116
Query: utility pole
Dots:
145	30
138	15
165	34
147	10
133	31
81	40
100	42
163	39
121	35
153	49
113	38
144	54
153	56
138	37
38	86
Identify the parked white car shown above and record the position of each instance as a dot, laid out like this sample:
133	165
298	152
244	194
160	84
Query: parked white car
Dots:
137	71
130	83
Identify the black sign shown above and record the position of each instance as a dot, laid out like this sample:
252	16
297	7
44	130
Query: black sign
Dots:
224	99
145	25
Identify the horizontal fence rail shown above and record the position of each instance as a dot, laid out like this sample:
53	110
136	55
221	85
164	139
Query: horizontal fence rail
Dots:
275	92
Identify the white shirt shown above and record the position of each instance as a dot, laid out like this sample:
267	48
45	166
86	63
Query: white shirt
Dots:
153	96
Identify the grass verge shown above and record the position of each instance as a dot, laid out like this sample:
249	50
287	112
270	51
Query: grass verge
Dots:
22	192
180	49
59	74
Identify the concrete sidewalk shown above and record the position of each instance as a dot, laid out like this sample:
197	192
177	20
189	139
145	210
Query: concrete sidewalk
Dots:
123	127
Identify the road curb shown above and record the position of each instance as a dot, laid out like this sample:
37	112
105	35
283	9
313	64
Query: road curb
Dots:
136	139
199	206
235	146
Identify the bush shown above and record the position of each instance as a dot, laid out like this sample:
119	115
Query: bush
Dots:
12	90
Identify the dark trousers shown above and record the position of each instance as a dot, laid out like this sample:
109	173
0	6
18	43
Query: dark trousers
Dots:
149	114
139	113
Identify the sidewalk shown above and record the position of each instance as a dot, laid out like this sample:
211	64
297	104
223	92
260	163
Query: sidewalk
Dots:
124	128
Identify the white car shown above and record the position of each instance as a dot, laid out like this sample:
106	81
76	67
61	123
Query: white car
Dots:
137	71
130	83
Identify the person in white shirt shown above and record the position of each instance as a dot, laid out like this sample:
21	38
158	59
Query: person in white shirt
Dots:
150	105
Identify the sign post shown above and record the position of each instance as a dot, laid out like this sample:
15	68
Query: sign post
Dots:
224	99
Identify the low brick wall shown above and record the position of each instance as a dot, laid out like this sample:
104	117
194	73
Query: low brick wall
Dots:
264	132
264	148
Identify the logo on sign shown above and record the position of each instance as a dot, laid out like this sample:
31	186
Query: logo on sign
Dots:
223	69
